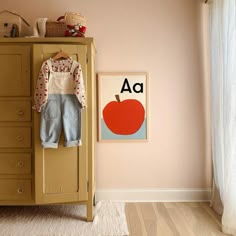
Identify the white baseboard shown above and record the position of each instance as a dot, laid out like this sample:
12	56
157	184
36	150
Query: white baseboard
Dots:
154	195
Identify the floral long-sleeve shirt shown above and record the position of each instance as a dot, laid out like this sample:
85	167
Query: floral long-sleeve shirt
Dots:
42	87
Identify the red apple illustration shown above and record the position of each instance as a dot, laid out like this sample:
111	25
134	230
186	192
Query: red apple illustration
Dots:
124	117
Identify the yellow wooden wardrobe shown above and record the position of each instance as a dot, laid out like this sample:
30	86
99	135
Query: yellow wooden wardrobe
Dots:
29	174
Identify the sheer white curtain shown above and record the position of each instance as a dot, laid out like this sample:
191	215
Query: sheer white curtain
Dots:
223	96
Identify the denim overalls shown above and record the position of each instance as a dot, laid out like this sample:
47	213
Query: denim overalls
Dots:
62	110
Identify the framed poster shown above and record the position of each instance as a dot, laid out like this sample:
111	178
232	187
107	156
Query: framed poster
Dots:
122	106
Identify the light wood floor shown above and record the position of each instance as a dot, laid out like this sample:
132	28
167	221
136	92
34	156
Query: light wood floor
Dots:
172	219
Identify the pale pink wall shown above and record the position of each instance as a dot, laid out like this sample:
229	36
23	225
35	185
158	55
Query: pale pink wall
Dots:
163	38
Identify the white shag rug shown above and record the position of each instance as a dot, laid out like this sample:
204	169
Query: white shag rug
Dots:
63	220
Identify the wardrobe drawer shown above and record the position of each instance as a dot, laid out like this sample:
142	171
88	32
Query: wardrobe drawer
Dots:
11	189
15	137
15	163
15	110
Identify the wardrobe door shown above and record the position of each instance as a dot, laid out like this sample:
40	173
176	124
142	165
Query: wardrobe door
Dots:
61	174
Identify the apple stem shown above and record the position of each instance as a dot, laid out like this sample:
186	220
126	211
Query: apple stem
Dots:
117	98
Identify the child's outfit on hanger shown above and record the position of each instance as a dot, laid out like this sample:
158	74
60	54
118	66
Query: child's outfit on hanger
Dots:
59	96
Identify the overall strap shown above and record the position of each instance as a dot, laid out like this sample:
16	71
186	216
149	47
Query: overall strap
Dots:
50	65
73	66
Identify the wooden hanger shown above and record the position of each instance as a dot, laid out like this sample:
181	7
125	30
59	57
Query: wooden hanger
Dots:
60	55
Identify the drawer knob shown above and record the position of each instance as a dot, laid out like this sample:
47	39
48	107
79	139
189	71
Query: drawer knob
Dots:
20	190
20	112
19	138
20	164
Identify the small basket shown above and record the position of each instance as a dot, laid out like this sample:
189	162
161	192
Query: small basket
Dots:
72	18
55	29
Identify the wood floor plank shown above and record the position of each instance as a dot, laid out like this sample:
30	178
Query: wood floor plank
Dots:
149	218
211	212
181	222
187	204
168	226
169	204
160	229
133	220
185	213
138	208
194	221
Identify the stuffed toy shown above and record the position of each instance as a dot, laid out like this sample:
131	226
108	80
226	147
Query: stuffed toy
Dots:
75	30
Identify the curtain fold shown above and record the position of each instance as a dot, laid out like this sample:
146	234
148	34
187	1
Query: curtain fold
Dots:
223	99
